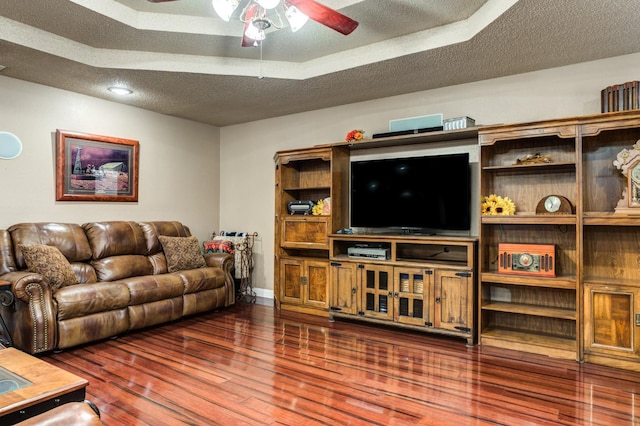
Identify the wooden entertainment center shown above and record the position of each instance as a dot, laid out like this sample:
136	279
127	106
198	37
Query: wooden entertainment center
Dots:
425	282
589	311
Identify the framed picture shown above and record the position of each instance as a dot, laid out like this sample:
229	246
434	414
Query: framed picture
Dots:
95	168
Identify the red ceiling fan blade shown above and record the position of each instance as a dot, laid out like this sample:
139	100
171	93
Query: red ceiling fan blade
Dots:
249	13
325	15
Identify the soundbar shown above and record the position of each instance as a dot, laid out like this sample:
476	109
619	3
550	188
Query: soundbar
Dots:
407	132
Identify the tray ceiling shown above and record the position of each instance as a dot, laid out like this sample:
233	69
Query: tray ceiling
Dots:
182	60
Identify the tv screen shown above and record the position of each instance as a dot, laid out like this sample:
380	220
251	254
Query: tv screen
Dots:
416	193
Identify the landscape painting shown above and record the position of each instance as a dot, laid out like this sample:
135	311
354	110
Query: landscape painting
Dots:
95	168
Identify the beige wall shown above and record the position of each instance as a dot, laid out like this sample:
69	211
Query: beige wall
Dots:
247	192
182	177
179	176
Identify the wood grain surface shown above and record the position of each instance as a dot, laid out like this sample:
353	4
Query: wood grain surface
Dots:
252	365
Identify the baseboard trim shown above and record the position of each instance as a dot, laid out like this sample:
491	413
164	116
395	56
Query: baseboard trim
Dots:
264	293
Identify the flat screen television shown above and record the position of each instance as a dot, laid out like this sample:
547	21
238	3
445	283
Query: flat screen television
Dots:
415	194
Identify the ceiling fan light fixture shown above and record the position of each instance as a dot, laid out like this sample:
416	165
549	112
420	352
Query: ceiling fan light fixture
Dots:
255	30
225	8
296	18
268	4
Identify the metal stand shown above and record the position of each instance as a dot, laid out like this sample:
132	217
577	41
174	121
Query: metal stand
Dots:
243	254
6	299
246	269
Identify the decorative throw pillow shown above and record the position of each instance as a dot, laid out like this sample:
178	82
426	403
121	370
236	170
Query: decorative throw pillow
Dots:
222	246
49	262
182	253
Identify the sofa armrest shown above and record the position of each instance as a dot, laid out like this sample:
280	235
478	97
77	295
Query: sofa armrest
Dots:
31	315
226	262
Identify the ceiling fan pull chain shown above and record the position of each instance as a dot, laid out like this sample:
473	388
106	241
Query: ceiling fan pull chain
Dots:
261	76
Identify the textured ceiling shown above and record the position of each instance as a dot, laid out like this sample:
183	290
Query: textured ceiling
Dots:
182	60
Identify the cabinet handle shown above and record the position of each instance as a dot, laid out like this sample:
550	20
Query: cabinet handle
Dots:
354	290
304	280
396	294
637	320
438	299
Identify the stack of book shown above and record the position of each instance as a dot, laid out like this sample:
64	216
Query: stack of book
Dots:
620	97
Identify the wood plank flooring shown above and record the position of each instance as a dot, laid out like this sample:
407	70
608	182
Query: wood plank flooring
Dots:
252	365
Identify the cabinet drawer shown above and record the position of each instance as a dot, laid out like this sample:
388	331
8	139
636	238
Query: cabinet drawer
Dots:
305	232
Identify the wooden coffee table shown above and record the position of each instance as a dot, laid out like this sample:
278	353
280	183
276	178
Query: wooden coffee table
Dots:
31	386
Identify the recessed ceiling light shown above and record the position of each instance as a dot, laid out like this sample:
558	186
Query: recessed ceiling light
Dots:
120	91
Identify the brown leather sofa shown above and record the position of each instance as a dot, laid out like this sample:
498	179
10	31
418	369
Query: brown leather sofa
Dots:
122	281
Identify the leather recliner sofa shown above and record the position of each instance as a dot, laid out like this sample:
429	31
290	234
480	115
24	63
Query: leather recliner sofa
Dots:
124	278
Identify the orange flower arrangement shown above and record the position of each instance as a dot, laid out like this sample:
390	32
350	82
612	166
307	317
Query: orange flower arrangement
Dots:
354	135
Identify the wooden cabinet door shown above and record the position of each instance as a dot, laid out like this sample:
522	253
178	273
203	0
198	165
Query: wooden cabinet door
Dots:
291	273
453	300
307	232
413	296
376	288
344	288
316	284
612	320
304	282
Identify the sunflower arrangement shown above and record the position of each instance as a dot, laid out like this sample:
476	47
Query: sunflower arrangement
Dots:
354	135
495	205
317	209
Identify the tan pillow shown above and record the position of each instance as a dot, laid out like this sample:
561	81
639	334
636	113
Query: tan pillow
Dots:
182	253
49	262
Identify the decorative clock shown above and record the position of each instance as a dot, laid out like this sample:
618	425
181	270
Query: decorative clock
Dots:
633	184
554	204
628	162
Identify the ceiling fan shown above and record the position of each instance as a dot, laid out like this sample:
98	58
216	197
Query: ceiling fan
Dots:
260	15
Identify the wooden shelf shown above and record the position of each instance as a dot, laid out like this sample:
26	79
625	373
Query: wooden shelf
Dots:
540	311
452	263
611	219
404	262
306	188
408	250
611	281
568	283
557	346
530	219
537	167
413	139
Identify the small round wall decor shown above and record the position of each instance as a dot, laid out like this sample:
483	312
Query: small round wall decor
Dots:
10	146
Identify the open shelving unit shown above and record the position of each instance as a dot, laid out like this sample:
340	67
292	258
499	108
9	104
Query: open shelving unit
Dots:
302	241
591	310
528	312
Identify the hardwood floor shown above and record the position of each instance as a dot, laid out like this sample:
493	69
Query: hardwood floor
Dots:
253	365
